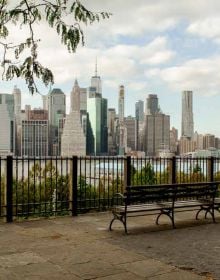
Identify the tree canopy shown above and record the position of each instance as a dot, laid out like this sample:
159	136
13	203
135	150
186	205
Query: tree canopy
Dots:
21	60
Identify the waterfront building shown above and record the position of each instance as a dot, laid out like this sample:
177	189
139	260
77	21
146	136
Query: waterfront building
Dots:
186	145
199	142
217	143
208	141
187	114
7	132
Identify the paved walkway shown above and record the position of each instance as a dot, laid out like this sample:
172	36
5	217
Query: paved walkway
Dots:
82	248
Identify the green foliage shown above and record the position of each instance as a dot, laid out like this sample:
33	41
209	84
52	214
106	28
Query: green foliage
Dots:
27	13
42	193
146	176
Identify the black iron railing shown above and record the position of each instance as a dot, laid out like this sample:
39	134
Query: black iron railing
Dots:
39	187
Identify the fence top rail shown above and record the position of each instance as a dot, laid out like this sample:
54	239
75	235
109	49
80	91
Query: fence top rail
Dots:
174	185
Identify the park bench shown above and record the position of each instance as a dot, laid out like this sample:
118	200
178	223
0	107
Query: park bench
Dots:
164	200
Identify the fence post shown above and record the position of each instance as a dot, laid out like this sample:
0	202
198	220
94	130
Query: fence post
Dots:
9	189
74	173
211	169
127	172
172	173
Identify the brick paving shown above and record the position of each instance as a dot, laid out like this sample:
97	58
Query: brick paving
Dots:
83	248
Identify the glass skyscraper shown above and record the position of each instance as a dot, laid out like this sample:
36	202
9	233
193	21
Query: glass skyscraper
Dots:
187	114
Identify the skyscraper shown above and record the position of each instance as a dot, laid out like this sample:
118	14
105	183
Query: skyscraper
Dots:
96	81
6	124
56	103
34	138
73	139
156	133
152	106
75	98
121	102
78	98
97	133
139	110
187	114
17	102
130	124
33	135
17	115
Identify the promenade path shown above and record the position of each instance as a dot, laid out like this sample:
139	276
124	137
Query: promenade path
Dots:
83	248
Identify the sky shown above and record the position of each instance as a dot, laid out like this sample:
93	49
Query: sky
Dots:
149	46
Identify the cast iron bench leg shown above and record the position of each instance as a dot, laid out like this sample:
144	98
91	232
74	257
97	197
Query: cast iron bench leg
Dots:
169	213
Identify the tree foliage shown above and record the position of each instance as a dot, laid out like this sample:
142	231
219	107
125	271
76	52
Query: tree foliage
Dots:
28	13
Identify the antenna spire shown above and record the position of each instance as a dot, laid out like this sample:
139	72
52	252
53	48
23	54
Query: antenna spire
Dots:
96	67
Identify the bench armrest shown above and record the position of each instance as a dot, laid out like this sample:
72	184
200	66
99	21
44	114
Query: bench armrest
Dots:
117	199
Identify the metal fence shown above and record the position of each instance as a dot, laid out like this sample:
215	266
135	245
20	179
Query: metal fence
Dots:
40	187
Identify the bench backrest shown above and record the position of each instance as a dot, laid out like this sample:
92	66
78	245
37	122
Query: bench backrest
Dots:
172	192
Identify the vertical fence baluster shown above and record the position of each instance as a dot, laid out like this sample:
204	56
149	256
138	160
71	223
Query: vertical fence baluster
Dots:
9	191
74	186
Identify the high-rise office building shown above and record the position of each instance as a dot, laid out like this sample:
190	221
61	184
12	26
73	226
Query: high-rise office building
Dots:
139	115
187	114
131	126
6	124
34	138
17	116
96	81
75	98
174	140
121	130
121	101
78	98
152	106
156	133
209	141
139	110
73	139
56	104
97	131
33	134
17	102
111	131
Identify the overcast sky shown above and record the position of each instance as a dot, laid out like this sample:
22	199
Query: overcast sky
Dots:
149	46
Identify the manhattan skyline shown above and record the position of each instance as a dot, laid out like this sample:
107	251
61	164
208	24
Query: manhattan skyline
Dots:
155	47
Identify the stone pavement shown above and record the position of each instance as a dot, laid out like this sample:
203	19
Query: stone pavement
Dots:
82	248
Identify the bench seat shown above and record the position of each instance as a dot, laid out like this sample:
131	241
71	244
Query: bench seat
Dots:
166	200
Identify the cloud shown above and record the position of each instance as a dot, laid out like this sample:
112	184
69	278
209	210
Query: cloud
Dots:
207	28
121	62
199	75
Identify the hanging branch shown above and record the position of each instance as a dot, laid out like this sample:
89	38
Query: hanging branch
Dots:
27	13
